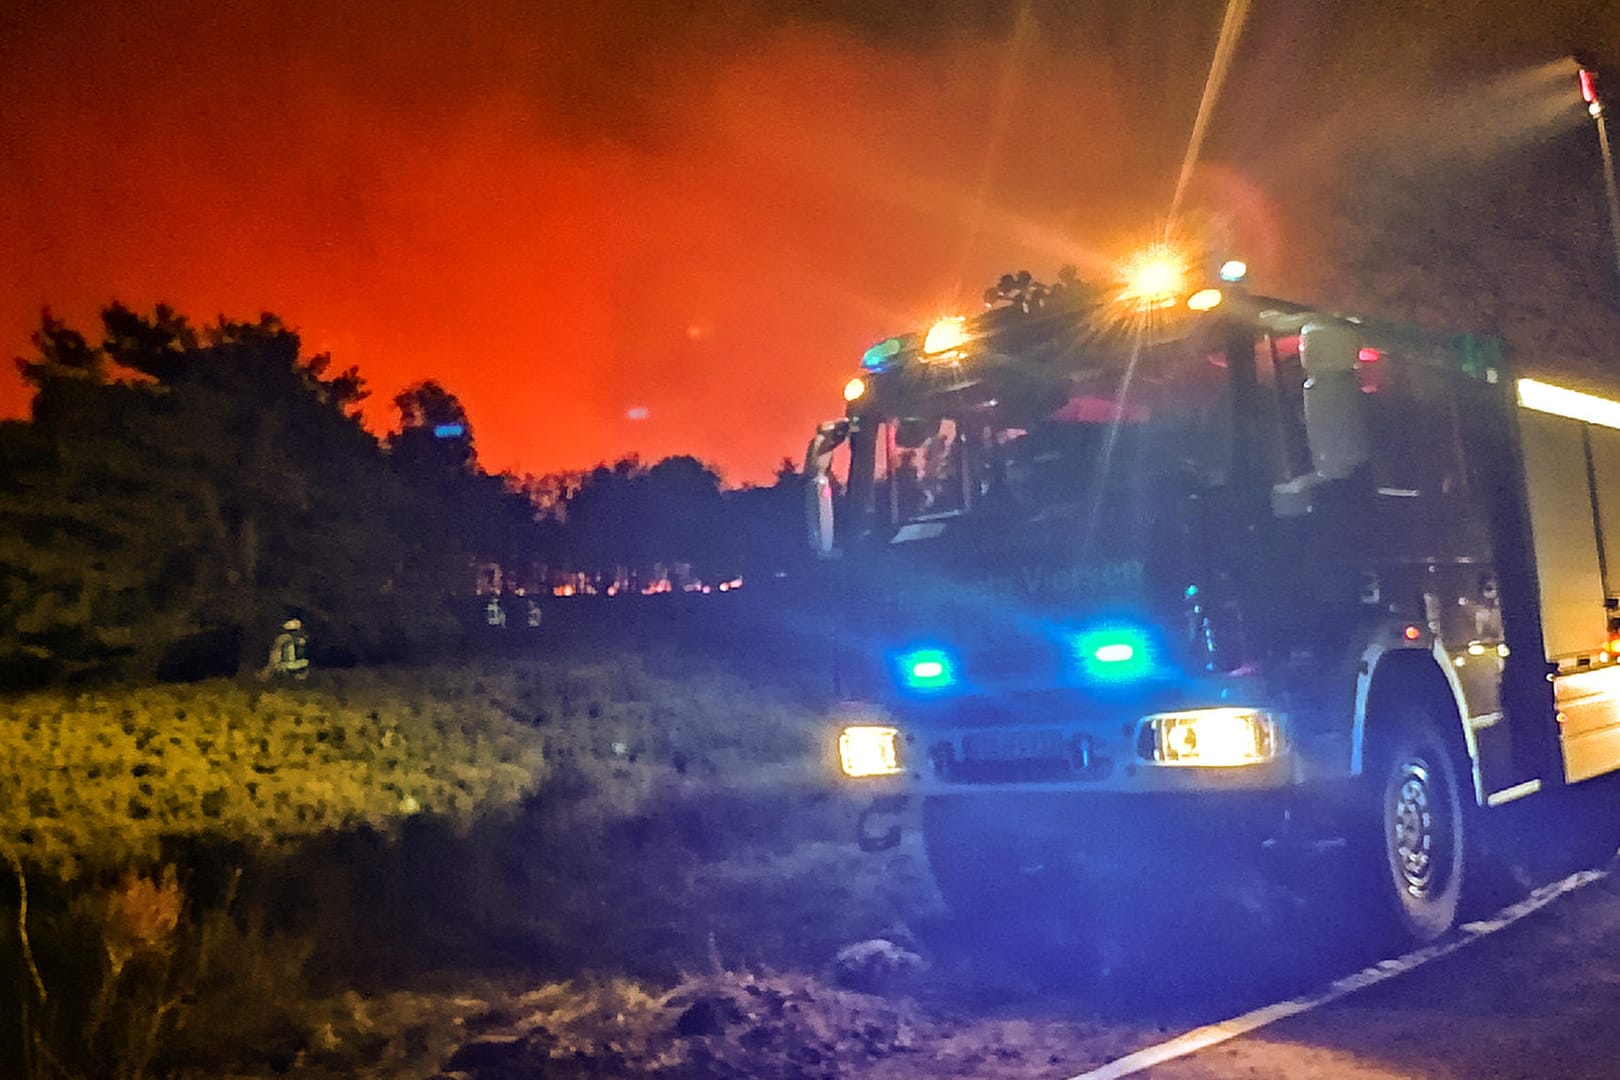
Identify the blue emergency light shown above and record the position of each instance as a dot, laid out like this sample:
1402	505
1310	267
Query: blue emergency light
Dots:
926	669
879	354
1114	653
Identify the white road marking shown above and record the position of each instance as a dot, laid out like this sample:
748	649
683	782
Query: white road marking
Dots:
1214	1034
1509	794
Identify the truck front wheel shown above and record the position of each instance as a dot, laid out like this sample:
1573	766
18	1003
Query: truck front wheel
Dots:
1421	817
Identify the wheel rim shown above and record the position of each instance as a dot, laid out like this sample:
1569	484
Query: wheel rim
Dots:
1413	832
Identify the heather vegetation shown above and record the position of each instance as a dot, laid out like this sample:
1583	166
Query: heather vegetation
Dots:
104	778
209	872
206	878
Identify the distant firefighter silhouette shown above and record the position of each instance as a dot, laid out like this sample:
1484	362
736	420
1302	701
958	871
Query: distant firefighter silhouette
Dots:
289	653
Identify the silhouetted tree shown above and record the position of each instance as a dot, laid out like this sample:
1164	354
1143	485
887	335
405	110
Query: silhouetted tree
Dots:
1481	244
605	520
679	505
629	519
766	526
434	432
175	481
466	516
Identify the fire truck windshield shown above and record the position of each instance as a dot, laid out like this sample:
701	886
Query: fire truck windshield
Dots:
1099	450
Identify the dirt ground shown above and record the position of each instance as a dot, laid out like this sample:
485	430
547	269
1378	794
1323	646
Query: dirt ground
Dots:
1535	1000
727	933
934	997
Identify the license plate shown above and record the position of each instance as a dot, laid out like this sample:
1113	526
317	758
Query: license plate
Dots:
1012	746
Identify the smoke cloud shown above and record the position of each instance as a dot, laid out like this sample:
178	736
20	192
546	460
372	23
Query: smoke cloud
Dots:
672	227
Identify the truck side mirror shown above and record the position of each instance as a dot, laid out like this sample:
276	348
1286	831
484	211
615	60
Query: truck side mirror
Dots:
818	487
1335	414
1335	409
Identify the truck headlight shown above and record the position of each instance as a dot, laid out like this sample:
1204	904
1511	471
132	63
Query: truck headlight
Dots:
869	750
1210	737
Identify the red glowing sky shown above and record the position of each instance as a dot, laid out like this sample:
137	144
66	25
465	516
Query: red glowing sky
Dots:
703	210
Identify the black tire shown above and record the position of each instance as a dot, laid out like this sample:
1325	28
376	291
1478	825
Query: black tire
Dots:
1423	830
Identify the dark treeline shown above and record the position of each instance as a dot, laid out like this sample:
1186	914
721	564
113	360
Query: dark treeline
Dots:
178	491
632	526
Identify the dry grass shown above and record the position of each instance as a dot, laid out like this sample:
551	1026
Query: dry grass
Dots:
605	814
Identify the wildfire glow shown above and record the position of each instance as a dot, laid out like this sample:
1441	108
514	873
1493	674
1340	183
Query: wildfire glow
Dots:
559	240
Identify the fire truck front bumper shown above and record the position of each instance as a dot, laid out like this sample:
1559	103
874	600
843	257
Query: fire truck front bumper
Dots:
1186	751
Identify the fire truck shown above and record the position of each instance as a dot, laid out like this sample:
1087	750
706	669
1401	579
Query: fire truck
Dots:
1122	565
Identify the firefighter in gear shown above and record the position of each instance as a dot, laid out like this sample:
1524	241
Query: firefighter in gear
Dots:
289	653
531	610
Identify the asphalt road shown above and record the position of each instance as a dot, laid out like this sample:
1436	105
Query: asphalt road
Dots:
1540	998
